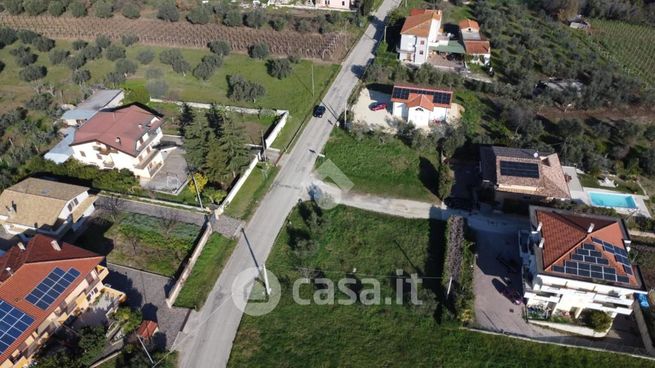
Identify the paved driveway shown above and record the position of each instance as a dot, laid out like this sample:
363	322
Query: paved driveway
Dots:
147	291
382	119
173	176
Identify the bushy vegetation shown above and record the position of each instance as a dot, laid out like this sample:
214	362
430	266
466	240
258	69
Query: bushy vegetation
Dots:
243	89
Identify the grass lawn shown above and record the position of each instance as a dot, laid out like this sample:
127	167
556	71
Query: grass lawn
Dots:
140	241
205	272
293	93
252	192
355	335
389	169
621	186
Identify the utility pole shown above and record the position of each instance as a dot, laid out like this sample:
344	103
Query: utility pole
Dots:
263	146
267	286
144	349
312	79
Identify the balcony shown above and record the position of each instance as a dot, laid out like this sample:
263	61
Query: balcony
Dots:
102	272
147	160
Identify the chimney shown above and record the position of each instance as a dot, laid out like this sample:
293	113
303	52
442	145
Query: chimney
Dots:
539	226
535	154
141	126
118	140
21	246
591	228
541	243
55	245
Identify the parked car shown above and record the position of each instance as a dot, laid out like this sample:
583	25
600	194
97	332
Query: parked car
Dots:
319	110
511	265
378	106
512	295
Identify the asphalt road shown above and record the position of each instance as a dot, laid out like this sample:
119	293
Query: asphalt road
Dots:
208	335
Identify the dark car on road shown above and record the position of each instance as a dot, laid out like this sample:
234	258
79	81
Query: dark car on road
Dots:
511	265
319	110
513	295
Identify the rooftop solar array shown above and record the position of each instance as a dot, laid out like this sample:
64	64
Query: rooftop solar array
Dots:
13	322
48	290
520	169
587	261
438	97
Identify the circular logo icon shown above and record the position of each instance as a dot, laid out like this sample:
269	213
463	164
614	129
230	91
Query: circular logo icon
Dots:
250	294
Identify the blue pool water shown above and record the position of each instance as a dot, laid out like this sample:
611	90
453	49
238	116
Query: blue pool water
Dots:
612	200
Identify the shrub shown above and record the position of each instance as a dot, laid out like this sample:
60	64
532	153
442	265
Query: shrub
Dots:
213	60
43	44
145	56
23	55
31	73
203	71
114	78
40	101
76	61
91	52
279	68
56	8
125	66
129	39
278	23
103	41
598	320
57	56
104	9
114	52
7	36
199	15
77	9
79	44
14	7
168	11
255	19
303	26
35	7
169	56
26	36
81	76
233	18
242	89
294	59
258	51
131	11
157	88
221	48
365	7
154	73
2	66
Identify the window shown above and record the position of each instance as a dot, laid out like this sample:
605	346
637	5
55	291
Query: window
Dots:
420	52
76	201
70	206
82	154
98	156
422	42
343	3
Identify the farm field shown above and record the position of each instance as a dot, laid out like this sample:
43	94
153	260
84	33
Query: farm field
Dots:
630	45
293	93
294	335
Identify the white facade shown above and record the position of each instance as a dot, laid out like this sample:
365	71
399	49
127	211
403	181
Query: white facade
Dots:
66	219
419	116
416	50
144	166
333	4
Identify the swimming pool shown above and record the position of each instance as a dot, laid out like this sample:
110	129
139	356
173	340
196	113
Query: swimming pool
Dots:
599	199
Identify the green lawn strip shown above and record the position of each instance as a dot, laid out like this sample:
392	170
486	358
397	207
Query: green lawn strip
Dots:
205	272
295	335
251	193
591	181
389	169
141	242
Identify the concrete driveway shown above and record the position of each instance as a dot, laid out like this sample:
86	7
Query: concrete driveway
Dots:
173	176
381	119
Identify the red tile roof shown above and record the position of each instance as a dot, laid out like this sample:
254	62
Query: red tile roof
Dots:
469	23
418	99
147	329
423	101
29	267
477	47
563	233
419	21
119	128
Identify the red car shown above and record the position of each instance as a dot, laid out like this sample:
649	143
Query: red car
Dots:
379	106
512	295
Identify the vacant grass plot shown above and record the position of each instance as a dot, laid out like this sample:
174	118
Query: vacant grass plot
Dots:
205	272
149	243
252	192
356	335
388	168
630	45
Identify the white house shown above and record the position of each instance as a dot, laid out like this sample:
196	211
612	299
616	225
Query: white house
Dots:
421	34
122	138
333	4
420	106
44	206
575	262
477	47
100	99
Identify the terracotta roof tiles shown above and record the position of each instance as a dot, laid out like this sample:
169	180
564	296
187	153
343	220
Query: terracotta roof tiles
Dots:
419	21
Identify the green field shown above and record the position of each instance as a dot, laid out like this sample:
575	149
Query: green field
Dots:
140	241
390	169
251	192
205	272
293	93
355	335
630	45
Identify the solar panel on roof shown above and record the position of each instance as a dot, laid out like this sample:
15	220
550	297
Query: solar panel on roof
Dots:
13	322
520	169
48	290
583	266
577	257
588	246
596	268
602	261
596	240
627	269
572	271
582	252
590	259
571	264
609	270
596	275
595	253
558	269
439	97
609	277
623	279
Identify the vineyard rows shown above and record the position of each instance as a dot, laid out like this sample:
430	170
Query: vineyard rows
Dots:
331	46
632	46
